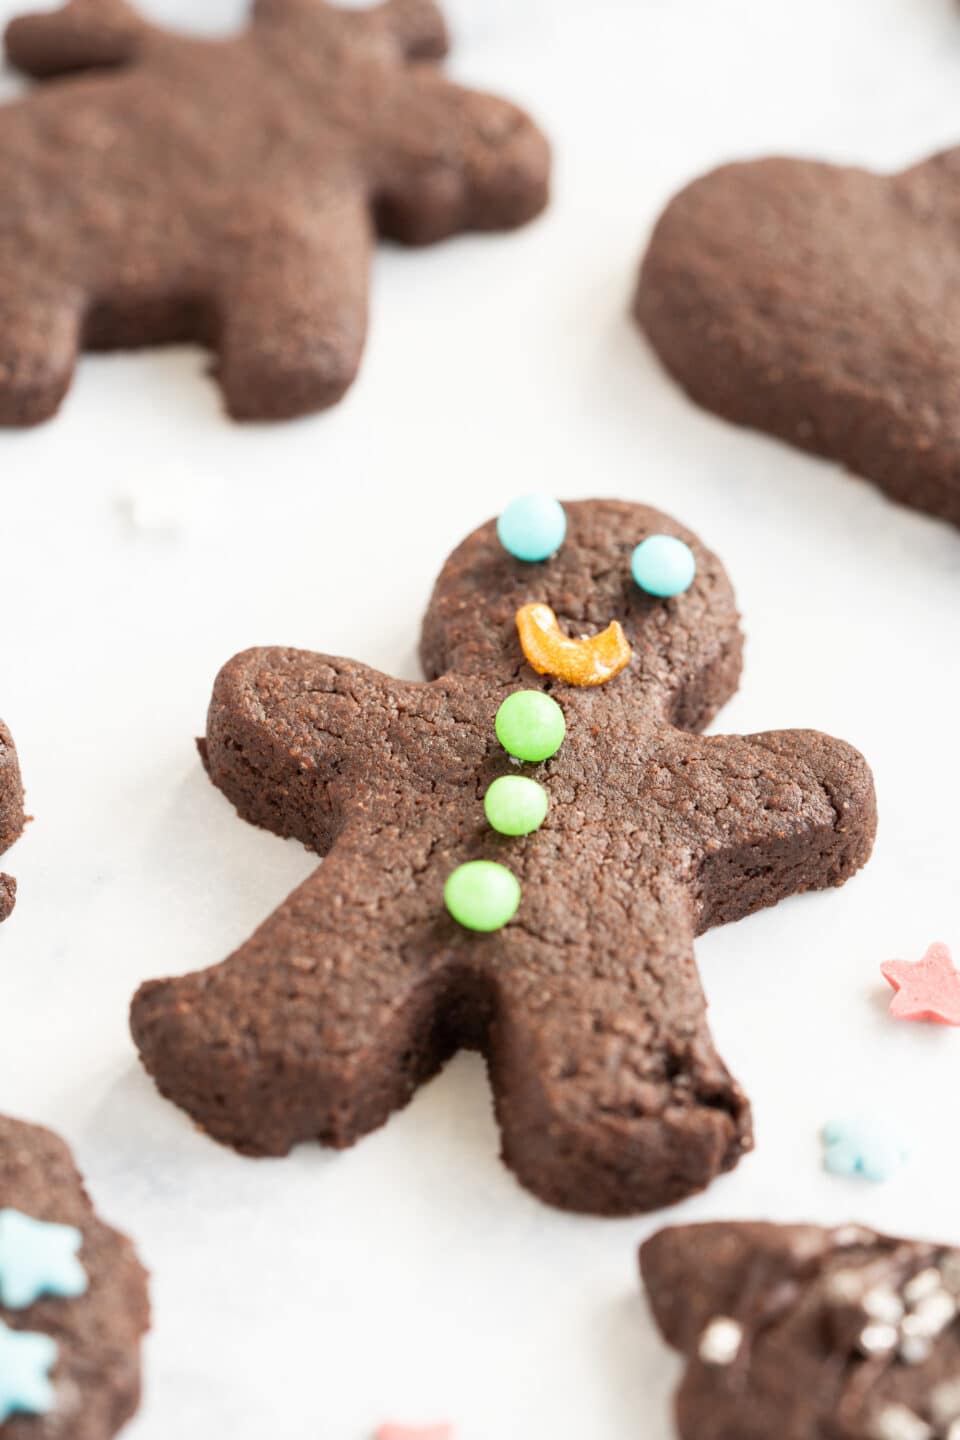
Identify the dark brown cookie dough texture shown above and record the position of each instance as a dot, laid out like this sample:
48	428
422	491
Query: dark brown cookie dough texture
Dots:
159	188
12	818
97	1376
609	1093
794	1332
821	304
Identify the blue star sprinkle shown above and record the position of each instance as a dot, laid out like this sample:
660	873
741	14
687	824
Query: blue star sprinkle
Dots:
26	1361
862	1149
38	1259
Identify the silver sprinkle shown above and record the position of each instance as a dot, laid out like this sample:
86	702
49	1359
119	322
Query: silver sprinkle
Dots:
928	1282
721	1341
883	1304
879	1339
896	1422
945	1403
934	1314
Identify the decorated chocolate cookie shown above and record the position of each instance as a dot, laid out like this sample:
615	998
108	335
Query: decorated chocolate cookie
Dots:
794	1332
229	193
73	1299
11	813
518	858
820	303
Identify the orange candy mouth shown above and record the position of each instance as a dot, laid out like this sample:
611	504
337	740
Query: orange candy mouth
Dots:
591	661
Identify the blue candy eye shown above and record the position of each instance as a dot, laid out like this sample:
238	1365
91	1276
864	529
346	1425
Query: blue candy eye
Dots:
532	528
663	566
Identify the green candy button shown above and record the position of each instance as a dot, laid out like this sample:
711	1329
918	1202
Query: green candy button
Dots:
482	895
516	805
530	725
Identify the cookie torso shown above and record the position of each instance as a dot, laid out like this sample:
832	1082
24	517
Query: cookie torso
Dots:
797	1331
820	304
96	1374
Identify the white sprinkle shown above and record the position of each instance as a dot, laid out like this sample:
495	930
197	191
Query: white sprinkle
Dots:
896	1422
849	1235
934	1314
922	1285
915	1349
879	1339
883	1304
721	1341
945	1403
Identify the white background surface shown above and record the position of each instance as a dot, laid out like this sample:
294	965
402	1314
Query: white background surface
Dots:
311	1298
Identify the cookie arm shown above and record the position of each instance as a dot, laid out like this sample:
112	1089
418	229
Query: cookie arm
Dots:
455	160
610	1095
84	35
773	815
292	735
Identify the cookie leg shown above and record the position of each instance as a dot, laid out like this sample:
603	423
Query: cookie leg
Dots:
39	344
83	35
316	1029
610	1096
294	314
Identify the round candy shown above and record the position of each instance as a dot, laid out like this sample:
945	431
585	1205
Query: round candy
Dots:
663	566
516	805
532	528
530	725
482	895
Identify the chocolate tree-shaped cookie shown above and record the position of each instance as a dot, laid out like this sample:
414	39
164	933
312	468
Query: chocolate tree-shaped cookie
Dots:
796	1332
820	303
73	1299
12	818
609	1093
160	188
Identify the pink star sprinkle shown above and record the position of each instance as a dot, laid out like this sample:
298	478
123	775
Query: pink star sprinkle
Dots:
927	989
404	1432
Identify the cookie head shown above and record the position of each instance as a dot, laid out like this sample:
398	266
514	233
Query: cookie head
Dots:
415	27
582	612
817	303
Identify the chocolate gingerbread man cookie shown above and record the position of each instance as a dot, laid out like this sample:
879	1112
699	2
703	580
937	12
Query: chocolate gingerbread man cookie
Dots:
73	1299
176	189
794	1332
614	835
820	303
12	818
